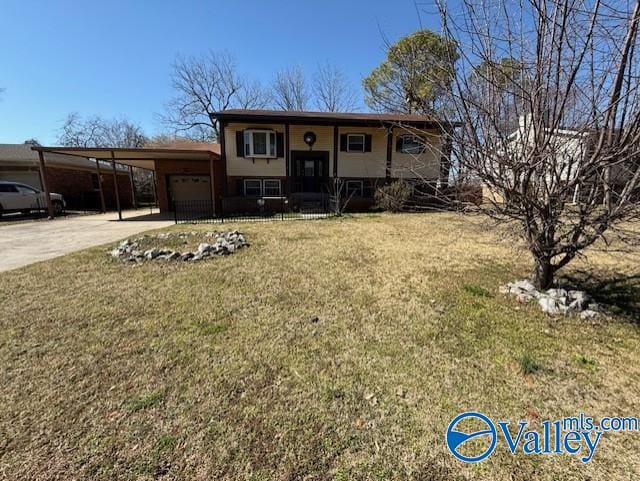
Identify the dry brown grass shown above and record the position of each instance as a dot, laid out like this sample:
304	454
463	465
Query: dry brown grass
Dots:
215	370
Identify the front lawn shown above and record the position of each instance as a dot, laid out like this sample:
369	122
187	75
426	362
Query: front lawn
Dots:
329	349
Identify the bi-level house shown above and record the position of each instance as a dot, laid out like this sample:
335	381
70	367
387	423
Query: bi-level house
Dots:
273	154
272	159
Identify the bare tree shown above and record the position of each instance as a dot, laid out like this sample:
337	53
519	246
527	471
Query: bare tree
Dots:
333	91
290	90
204	85
98	132
569	173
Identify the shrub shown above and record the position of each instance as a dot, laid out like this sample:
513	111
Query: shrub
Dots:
394	196
529	365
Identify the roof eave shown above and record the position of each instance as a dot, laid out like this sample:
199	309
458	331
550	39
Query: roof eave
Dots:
306	120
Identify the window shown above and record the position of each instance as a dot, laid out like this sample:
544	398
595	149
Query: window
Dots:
354	188
5	188
355	143
271	187
412	144
252	187
25	189
259	143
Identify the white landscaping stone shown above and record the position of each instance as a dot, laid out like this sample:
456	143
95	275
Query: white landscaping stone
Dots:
549	306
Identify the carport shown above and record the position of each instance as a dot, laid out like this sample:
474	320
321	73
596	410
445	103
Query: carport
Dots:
198	163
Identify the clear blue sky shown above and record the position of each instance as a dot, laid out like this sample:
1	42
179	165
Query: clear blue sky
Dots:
112	58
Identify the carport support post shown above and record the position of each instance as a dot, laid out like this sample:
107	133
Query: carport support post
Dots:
133	188
115	184
102	204
45	184
213	193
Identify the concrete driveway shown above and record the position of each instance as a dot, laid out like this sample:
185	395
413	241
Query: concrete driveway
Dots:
23	243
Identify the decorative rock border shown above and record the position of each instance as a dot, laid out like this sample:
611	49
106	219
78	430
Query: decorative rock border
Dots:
554	301
224	243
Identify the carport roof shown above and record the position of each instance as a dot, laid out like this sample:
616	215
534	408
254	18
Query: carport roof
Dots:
143	158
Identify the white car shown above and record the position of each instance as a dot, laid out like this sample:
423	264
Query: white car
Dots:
17	197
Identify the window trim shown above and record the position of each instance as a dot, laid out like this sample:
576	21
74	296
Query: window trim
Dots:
361	187
264	188
362	136
271	143
423	144
244	185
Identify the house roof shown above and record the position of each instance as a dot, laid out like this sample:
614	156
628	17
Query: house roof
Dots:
22	155
329	118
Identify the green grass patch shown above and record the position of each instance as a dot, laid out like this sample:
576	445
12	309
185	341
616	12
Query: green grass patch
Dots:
145	401
477	290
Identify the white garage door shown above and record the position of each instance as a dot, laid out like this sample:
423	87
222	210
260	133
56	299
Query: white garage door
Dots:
190	188
29	178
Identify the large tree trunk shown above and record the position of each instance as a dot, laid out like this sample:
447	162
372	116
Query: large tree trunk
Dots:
543	273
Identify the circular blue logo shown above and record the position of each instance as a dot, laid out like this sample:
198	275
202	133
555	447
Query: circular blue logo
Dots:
456	438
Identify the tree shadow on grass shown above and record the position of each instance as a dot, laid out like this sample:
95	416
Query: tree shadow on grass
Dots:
620	294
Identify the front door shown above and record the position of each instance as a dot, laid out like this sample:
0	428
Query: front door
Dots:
310	171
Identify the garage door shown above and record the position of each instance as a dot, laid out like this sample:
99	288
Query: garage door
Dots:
189	188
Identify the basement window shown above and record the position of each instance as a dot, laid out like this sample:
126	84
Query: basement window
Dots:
259	143
354	188
271	187
252	187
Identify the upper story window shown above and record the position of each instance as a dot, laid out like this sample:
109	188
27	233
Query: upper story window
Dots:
259	143
355	143
412	144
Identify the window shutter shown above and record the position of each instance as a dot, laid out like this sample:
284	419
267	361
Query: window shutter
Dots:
343	142
367	143
279	144
240	143
399	143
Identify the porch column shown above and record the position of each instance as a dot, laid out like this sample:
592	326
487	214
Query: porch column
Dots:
102	204
287	161
45	184
115	184
133	188
336	140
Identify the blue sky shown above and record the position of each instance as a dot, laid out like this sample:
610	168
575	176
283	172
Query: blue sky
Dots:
113	58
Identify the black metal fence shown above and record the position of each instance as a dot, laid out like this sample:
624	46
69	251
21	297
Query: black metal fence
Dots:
241	209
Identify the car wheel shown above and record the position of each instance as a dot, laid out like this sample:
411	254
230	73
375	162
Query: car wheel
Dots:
58	208
1	211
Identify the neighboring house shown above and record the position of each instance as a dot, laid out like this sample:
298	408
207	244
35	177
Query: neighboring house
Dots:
570	148
300	154
76	178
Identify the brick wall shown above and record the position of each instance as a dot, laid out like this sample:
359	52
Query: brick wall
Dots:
76	186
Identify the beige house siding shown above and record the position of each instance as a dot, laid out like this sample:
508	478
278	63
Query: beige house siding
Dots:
324	140
423	166
364	164
243	167
350	164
